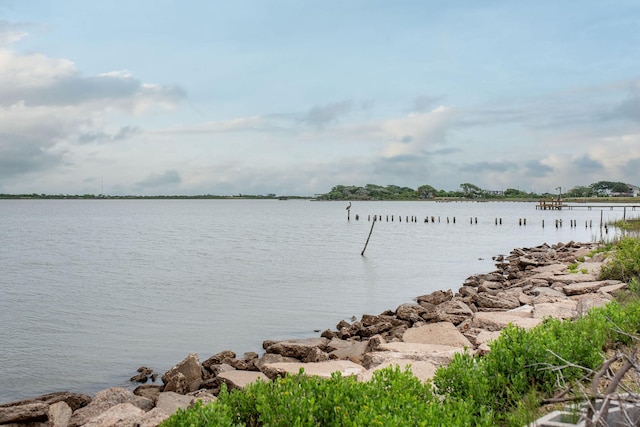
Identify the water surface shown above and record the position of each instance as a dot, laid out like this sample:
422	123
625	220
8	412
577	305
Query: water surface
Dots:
92	289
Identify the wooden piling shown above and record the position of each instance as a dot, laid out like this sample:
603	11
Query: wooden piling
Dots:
368	237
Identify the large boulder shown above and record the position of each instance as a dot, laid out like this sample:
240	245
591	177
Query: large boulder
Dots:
501	301
564	309
26	412
585	286
348	350
442	333
184	377
496	321
268	358
411	312
455	311
120	415
296	348
435	298
219	358
321	369
74	400
389	352
106	399
59	414
170	402
239	379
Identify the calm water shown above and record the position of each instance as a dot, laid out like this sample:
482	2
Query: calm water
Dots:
92	289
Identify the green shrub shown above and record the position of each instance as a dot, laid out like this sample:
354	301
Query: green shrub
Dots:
393	397
625	265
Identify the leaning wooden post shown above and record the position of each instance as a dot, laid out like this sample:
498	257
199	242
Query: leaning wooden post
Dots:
369	236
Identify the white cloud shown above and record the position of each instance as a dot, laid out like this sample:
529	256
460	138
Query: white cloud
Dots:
412	134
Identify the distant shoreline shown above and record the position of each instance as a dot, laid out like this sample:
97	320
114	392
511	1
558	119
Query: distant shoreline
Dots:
284	198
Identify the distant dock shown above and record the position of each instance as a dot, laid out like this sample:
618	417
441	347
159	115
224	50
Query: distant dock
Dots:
559	205
547	205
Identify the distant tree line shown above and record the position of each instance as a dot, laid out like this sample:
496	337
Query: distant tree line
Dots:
468	191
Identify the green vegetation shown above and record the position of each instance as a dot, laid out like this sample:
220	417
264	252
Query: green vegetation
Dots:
503	388
604	190
614	191
631	225
625	265
506	387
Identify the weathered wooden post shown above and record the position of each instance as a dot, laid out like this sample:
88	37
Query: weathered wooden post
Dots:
368	237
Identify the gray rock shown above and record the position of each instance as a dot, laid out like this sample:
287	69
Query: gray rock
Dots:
148	391
27	412
496	321
442	333
503	300
105	400
120	415
316	355
74	400
219	358
435	298
411	312
586	286
240	379
297	348
454	311
170	402
321	369
352	350
184	377
273	358
59	414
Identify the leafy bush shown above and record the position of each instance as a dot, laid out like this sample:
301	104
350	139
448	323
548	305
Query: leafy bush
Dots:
625	265
393	397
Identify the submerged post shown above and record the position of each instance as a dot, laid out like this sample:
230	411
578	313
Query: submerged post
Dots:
369	236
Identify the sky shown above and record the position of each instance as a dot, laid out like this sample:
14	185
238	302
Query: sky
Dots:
190	97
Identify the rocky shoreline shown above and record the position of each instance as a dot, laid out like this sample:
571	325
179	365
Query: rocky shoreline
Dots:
527	286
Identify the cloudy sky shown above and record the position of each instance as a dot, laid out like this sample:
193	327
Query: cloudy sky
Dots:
294	96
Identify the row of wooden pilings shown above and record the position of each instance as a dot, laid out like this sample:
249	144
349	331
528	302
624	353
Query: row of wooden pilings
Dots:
472	220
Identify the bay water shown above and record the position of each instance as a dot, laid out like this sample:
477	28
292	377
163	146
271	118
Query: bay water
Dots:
92	289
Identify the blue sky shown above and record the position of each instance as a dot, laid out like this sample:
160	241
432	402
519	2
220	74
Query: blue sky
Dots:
295	97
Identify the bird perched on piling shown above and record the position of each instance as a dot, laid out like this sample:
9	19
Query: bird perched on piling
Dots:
348	207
